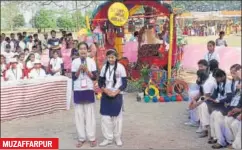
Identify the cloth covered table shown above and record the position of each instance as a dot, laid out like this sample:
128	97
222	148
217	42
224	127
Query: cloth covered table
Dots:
25	98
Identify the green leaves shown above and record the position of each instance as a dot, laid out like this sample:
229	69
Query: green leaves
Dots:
45	19
65	22
18	21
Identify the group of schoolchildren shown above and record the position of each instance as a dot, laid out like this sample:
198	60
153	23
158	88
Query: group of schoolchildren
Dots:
78	59
29	57
215	102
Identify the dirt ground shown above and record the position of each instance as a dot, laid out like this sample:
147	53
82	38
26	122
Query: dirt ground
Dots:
145	126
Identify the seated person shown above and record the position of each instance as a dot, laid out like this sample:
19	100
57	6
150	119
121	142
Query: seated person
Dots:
56	65
14	72
37	71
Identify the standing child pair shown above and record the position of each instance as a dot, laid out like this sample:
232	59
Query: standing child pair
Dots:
112	81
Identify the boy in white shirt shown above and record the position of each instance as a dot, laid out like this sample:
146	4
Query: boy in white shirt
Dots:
56	65
8	54
30	43
36	52
211	52
37	71
14	72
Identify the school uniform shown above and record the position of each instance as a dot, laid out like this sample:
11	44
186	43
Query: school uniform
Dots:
193	91
203	112
29	45
30	64
220	42
111	108
3	69
210	56
237	142
219	110
22	45
13	45
230	129
37	73
14	74
57	64
8	56
84	99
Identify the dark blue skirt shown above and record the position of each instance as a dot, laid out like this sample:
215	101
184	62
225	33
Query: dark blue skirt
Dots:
111	106
81	97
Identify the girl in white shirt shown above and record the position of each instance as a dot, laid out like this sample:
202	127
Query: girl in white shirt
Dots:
83	74
56	65
112	81
30	61
14	72
37	71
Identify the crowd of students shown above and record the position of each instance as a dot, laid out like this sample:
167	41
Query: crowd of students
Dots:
215	102
57	56
50	56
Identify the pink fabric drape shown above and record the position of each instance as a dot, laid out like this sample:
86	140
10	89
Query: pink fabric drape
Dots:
130	50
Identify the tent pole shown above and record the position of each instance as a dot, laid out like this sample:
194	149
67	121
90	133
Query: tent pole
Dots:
170	51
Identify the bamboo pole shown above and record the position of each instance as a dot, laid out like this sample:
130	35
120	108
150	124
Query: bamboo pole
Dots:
170	51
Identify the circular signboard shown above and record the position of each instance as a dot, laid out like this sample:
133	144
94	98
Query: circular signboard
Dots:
118	14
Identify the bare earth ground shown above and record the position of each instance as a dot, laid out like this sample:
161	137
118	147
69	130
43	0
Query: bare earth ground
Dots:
145	126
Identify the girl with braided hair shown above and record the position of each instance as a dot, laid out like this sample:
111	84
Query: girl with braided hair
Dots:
112	81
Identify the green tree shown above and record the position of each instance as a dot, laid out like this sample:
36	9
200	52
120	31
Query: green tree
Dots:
44	19
19	20
65	22
79	20
8	13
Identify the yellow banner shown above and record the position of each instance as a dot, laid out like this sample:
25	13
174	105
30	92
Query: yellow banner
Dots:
118	14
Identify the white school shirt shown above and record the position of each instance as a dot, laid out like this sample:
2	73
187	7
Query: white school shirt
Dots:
12	44
22	45
120	73
226	90
37	56
14	74
210	56
35	74
3	68
236	98
30	64
8	56
210	85
20	65
91	66
30	45
3	45
56	64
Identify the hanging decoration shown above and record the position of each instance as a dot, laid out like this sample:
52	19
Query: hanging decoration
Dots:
131	26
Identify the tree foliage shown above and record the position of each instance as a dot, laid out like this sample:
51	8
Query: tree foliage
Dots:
19	20
44	19
65	22
9	11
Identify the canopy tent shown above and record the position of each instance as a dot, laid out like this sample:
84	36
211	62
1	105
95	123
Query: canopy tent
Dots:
212	18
